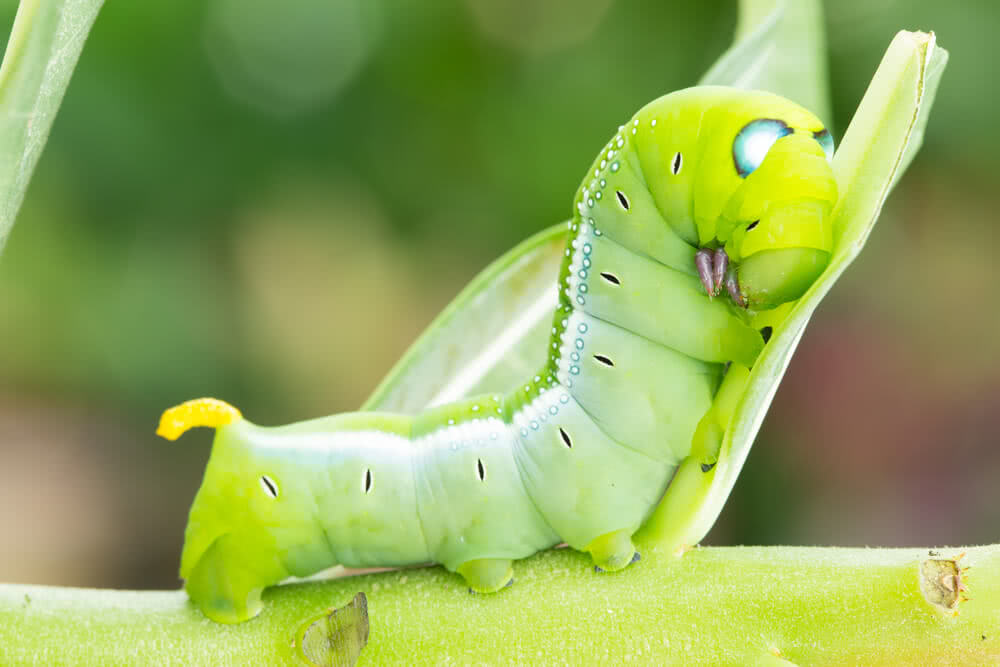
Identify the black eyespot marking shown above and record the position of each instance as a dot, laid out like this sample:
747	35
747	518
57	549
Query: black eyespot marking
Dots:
676	165
705	467
368	480
565	438
481	469
622	199
765	333
753	224
604	360
269	486
611	278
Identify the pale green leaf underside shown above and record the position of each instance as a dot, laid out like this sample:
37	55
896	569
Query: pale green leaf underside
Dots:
44	46
489	338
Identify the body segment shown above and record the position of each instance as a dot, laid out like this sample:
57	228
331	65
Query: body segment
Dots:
702	188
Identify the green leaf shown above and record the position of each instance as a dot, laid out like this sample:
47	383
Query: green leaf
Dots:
495	331
780	47
882	138
489	338
44	46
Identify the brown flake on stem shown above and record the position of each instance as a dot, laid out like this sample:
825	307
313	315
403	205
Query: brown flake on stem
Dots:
943	583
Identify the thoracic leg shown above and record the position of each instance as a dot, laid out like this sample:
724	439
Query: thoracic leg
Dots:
613	551
714	271
487	575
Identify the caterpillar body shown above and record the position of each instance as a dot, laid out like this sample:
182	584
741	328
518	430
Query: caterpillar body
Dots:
704	192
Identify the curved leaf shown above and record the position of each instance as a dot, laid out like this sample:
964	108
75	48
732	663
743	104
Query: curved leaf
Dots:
489	338
883	136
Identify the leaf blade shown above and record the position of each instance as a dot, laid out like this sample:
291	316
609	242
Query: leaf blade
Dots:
43	50
487	336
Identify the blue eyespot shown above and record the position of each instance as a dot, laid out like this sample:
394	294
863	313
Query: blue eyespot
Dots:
754	141
825	140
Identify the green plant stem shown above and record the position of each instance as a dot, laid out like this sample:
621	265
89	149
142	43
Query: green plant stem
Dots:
731	605
44	46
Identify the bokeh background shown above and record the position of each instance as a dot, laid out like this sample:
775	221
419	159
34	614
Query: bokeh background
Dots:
267	202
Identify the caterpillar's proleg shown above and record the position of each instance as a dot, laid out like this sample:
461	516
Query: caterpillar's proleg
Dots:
613	551
487	575
227	585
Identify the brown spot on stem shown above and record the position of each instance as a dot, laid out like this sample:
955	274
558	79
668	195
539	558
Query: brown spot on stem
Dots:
336	637
942	583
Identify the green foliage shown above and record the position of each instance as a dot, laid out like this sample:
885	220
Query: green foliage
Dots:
44	46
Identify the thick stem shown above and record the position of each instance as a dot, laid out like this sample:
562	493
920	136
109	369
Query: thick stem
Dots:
734	605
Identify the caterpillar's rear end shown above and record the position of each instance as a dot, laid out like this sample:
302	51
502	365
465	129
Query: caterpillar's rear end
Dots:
240	538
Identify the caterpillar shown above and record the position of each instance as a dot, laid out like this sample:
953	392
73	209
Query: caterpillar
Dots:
708	205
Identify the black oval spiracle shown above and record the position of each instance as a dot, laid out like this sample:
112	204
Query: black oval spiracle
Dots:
622	199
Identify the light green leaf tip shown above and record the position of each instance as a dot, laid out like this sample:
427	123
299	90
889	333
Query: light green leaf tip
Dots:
44	46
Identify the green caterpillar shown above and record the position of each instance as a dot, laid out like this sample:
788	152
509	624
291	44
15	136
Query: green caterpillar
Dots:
705	192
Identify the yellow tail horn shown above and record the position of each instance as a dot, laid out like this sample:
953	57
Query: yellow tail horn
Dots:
199	412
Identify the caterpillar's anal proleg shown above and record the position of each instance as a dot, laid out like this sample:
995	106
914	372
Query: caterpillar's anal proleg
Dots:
704	190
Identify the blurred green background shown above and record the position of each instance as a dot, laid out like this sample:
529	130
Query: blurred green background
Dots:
267	202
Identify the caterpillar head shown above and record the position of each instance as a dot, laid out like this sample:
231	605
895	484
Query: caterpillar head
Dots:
776	225
245	525
761	186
